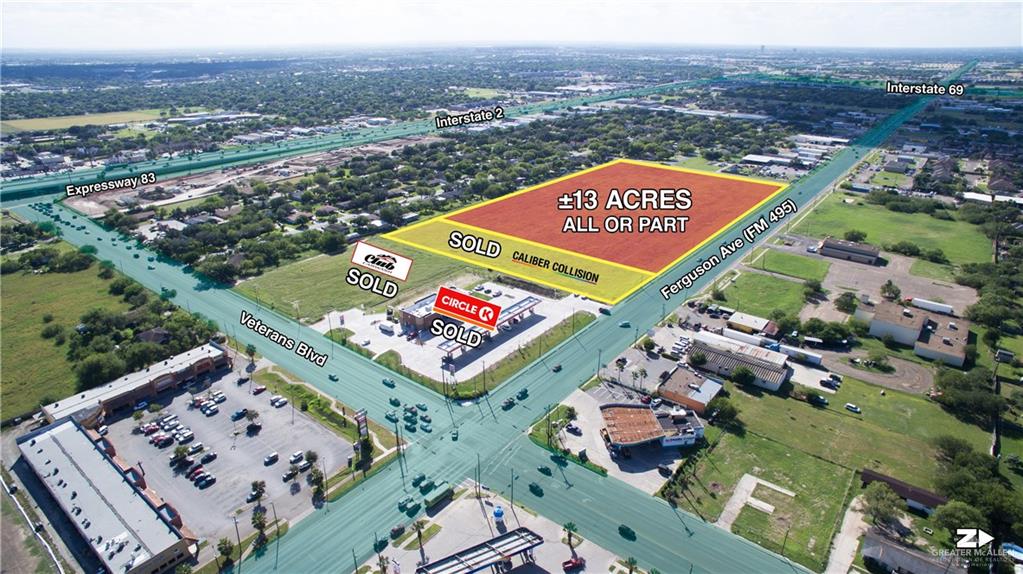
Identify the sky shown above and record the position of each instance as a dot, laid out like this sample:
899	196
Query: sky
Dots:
89	26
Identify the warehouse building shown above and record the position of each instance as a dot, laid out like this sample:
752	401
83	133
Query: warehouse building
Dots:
752	324
127	526
722	356
849	251
687	388
89	407
934	336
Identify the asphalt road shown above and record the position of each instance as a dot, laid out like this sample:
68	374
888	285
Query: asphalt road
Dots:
210	161
668	539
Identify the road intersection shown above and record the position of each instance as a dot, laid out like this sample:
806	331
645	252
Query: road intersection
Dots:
342	532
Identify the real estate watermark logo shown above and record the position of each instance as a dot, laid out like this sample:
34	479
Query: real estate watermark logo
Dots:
970	538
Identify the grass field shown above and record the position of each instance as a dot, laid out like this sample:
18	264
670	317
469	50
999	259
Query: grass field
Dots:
697	163
482	93
318	284
791	265
961	241
760	294
893	436
33	367
803	524
889	179
64	122
931	270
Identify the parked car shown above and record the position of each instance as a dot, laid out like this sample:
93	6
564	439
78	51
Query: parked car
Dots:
103	430
208	457
818	400
656	402
141	405
853	408
281	402
296	456
258	389
290	474
197	447
304	466
239	414
270	459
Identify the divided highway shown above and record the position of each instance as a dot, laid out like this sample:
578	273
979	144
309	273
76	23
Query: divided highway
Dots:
666	538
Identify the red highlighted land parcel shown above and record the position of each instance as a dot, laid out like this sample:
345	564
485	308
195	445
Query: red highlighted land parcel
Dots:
525	234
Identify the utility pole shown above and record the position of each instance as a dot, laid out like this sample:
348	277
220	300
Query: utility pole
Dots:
512	470
276	523
238	535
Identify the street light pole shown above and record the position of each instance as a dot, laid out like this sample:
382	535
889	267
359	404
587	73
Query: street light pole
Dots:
238	535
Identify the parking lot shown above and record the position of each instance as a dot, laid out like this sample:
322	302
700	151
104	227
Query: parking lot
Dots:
467	521
422	354
641	469
210	511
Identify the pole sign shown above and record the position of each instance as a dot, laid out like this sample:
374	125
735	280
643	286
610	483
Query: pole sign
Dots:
466	308
360	419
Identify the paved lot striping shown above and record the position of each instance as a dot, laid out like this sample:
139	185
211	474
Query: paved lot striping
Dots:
209	512
488	433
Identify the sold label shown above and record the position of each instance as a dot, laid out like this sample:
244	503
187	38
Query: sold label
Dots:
467	308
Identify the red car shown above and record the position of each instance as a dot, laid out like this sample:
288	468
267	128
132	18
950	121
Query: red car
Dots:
150	429
195	473
645	399
574	564
258	389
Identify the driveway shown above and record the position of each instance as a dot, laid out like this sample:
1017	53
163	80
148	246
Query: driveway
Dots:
847	539
907	376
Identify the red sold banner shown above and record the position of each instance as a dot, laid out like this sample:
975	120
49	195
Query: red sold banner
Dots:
467	308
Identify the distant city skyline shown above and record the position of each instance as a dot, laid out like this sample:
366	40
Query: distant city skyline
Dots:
235	25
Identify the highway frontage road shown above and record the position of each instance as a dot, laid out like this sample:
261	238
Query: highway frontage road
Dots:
342	533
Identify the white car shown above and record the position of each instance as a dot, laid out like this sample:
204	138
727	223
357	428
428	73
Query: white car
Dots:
296	456
853	408
281	402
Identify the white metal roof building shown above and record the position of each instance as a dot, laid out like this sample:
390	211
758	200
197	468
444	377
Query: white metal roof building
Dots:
126	531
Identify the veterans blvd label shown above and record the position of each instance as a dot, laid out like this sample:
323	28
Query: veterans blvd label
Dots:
376	259
466	308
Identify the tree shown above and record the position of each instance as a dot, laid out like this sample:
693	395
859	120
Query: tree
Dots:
225	548
846	302
183	568
957	514
855	235
312	456
250	350
696	359
180	451
418	526
726	411
570	413
570	530
382	563
631	563
890	290
991	338
259	487
648	344
259	521
743	376
98	369
881	505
